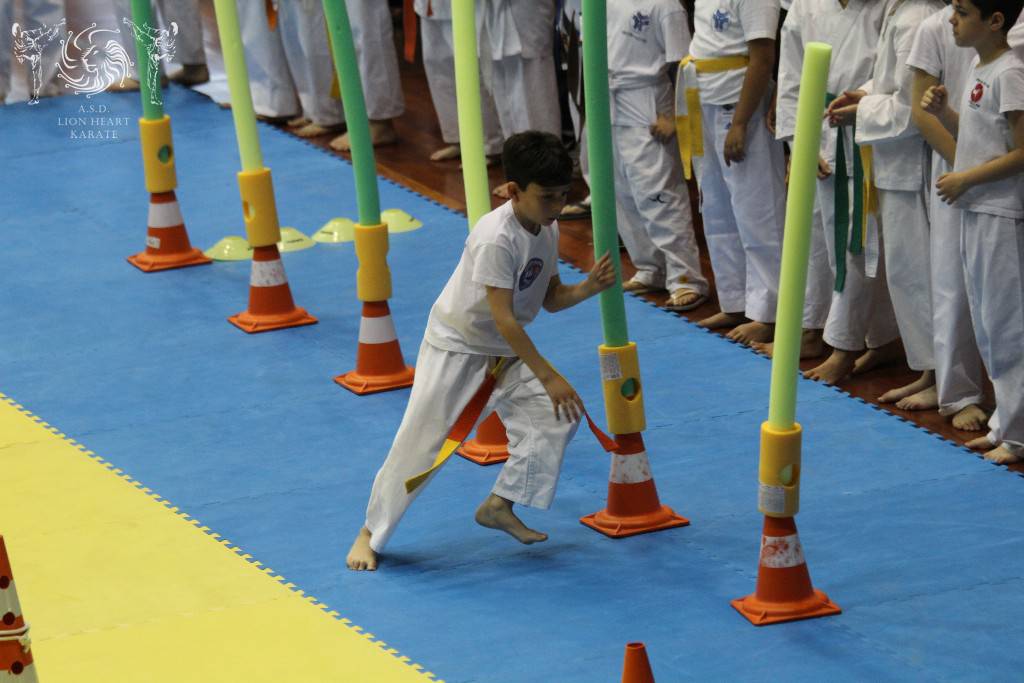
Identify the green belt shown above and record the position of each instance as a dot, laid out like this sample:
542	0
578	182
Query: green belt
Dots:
841	219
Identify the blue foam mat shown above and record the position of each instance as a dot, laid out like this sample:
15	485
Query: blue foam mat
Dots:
917	540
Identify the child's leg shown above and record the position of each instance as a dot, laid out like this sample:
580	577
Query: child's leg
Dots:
273	92
301	25
439	66
526	94
993	256
373	35
818	293
647	259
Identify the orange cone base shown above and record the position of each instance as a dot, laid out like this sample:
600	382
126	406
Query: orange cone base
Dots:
762	613
484	453
149	263
374	384
252	323
620	526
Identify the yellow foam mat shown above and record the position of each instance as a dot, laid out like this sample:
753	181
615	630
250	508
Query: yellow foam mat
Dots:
118	585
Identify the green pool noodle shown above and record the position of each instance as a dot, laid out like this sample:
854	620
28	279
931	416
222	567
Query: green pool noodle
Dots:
238	84
471	126
142	15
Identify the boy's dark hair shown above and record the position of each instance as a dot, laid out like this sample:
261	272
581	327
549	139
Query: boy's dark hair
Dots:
536	157
1010	9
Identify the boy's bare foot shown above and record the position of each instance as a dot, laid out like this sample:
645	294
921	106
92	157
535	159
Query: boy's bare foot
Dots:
835	368
381	133
926	399
312	130
496	513
501	191
874	358
981	443
191	74
361	557
298	122
751	332
1002	456
722	319
811	345
925	381
970	419
447	152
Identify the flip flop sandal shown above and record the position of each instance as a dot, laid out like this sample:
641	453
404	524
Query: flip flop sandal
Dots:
634	286
677	307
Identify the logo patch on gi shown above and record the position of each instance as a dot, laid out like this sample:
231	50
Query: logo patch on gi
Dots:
977	93
533	268
720	19
641	21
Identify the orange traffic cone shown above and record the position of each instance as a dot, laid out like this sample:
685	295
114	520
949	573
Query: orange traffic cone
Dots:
167	244
379	362
635	667
271	306
15	647
784	591
490	445
633	505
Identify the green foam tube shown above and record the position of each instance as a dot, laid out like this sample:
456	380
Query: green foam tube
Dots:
363	162
602	179
142	16
797	238
471	125
238	83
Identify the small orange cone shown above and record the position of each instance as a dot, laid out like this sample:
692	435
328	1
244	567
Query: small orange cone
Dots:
379	362
167	244
271	306
784	591
15	646
633	505
490	445
635	667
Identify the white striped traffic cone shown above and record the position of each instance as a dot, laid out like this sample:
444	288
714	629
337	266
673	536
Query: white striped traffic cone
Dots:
271	306
15	648
379	362
167	244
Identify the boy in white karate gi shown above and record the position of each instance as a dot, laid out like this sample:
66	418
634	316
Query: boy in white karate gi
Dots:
742	174
508	270
307	51
646	39
881	110
860	314
959	377
987	183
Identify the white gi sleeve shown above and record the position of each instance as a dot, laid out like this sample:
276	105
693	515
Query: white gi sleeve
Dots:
493	266
886	116
675	35
791	60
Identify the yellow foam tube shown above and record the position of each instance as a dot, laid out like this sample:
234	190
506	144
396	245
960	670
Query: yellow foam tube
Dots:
623	394
259	208
373	279
156	142
779	473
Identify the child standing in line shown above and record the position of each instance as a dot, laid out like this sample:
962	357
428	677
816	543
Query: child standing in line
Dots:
508	271
988	185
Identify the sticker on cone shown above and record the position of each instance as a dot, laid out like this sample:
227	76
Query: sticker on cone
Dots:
167	243
379	362
490	445
271	306
15	646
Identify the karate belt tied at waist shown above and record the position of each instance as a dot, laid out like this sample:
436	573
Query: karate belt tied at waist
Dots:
865	199
467	419
689	124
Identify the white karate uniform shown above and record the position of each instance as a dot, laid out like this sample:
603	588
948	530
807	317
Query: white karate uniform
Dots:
303	33
517	59
460	346
901	174
744	204
862	313
439	65
373	36
652	201
958	369
270	81
992	239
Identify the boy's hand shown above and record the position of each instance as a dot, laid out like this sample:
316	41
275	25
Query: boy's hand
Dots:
935	99
567	403
601	276
824	170
769	119
843	109
735	148
952	185
664	128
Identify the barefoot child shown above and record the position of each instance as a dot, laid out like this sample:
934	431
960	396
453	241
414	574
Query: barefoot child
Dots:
988	185
508	270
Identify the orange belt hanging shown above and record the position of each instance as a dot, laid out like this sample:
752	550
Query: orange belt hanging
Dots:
271	14
409	29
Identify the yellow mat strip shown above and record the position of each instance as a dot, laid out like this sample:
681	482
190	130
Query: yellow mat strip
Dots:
119	585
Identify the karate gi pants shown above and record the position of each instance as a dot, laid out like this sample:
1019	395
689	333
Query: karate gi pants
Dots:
992	249
818	292
373	36
652	209
525	94
908	271
744	209
270	80
445	382
310	63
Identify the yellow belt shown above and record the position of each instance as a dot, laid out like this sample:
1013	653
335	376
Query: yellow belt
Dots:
689	128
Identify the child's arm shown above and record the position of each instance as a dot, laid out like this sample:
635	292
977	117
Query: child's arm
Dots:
600	278
755	85
564	398
935	101
932	130
952	185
